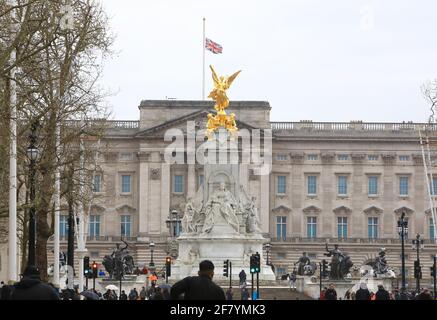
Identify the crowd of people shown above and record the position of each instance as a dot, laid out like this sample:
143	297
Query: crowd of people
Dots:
363	293
201	287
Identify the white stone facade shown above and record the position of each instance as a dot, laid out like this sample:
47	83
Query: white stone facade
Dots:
326	151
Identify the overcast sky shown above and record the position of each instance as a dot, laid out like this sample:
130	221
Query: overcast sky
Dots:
320	60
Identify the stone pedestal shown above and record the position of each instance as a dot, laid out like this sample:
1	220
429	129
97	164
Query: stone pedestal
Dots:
311	285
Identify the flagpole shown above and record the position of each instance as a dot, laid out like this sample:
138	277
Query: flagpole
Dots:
203	70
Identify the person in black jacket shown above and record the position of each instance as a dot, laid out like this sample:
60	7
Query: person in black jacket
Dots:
382	294
199	288
330	293
362	293
32	288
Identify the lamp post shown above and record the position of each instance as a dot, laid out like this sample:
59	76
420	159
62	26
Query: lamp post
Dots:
418	245
403	232
173	223
151	264
32	153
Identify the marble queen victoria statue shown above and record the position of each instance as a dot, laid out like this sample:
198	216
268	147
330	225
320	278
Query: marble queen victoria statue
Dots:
223	203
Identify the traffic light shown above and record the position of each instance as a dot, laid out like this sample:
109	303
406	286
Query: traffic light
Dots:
324	271
433	273
94	269
168	266
255	263
86	267
417	270
226	268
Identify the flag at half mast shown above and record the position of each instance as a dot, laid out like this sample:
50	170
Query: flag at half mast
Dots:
213	46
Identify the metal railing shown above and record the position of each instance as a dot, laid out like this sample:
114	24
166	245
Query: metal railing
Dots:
344	240
353	125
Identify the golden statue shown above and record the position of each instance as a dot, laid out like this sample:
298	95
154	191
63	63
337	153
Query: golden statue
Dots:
218	94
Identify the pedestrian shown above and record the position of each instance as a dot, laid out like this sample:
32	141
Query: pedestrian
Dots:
243	278
123	295
424	295
199	288
6	292
330	293
229	294
32	288
292	279
382	294
166	294
362	293
322	294
244	294
143	294
157	295
133	294
403	295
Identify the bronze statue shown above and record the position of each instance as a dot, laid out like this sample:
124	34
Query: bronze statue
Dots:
380	265
119	263
340	263
301	263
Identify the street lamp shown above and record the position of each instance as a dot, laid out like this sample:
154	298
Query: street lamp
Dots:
417	245
173	223
403	232
267	246
32	153
151	264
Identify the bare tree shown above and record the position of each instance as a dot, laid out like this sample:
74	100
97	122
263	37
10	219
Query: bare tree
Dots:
57	86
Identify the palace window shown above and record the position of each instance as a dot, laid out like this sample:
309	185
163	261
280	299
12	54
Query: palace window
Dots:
94	226
178	183
200	179
281	157
281	228
432	229
404	158
312	185
403	186
372	225
126	156
282	185
373	185
97	183
372	157
312	157
63	225
433	188
311	227
342	185
343	157
342	227
125	183
125	226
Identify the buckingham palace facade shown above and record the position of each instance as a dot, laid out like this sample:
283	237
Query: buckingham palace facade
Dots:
330	182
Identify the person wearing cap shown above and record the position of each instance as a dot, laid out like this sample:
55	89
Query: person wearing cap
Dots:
31	287
199	288
382	294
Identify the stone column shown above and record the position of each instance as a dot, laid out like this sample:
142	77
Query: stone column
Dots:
143	194
264	203
191	181
165	195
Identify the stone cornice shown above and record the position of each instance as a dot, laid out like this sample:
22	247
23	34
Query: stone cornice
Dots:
373	210
312	209
327	157
296	157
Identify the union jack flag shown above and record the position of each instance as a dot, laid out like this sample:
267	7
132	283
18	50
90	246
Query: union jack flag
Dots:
213	47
